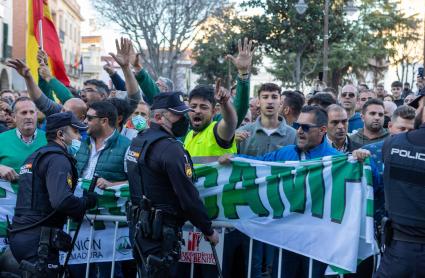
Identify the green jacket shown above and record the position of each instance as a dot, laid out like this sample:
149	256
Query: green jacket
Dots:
110	164
241	101
54	85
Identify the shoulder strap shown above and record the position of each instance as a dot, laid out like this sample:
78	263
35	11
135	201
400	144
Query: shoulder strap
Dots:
50	215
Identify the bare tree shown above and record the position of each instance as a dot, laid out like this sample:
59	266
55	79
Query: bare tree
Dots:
162	30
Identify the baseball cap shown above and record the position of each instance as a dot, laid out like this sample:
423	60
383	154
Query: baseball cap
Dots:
172	101
59	120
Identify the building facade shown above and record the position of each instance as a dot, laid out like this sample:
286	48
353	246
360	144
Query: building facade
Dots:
91	49
67	19
6	40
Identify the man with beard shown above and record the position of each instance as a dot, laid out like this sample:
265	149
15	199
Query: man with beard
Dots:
311	143
337	129
373	131
209	139
348	99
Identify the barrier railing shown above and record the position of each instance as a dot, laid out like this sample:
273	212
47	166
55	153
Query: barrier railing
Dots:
216	224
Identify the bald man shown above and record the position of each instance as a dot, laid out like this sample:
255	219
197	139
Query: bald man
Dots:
76	106
347	98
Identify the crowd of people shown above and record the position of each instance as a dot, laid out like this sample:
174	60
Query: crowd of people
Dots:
275	125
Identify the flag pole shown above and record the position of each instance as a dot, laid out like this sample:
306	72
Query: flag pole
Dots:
40	32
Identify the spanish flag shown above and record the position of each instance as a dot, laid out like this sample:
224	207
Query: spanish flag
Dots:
39	10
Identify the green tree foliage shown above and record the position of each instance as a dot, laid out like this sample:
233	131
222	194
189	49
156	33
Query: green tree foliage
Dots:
222	33
295	42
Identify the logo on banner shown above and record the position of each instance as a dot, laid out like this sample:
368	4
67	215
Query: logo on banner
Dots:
123	245
193	243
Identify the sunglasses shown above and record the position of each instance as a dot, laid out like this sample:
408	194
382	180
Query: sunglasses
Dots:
304	127
350	95
91	117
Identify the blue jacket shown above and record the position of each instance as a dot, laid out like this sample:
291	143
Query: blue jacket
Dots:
118	82
292	152
355	122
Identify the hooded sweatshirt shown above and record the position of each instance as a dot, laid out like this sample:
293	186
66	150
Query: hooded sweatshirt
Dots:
358	140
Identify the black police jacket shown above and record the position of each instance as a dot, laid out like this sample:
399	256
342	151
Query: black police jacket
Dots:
159	168
404	176
47	180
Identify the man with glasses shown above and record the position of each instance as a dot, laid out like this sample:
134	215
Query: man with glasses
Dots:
311	143
103	153
373	131
337	129
348	99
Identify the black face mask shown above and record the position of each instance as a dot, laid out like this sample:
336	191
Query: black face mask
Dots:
180	127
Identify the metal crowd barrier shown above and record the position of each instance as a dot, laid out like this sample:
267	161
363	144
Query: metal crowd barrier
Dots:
216	224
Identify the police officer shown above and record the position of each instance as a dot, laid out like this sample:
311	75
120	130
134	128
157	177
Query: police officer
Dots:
45	198
162	193
404	175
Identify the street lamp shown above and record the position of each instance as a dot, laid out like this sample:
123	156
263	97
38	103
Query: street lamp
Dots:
350	9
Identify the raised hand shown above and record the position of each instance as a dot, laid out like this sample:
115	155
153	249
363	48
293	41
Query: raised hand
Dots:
108	68
124	52
42	57
44	72
221	95
135	59
243	61
20	67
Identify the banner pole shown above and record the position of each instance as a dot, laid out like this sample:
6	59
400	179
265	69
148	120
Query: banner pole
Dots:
40	32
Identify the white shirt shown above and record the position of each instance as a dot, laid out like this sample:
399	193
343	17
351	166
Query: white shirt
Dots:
94	156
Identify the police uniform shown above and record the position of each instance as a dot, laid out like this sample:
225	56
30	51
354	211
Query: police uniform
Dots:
45	198
404	176
161	178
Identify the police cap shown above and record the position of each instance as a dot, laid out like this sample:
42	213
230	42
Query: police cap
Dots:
415	102
172	101
59	120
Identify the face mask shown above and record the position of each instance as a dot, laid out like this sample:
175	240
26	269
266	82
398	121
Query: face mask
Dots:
74	147
138	122
180	127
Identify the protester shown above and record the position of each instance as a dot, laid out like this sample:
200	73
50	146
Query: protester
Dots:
22	140
337	129
406	90
389	98
364	96
311	143
268	133
409	98
322	99
210	139
348	99
247	119
380	91
372	131
5	115
401	121
396	91
389	108
94	90
254	108
292	102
